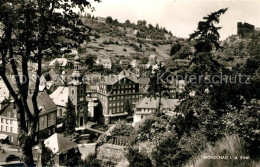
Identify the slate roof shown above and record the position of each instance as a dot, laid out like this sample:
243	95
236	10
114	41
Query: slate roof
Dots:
62	62
111	80
60	96
144	81
151	103
58	144
44	102
8	109
129	74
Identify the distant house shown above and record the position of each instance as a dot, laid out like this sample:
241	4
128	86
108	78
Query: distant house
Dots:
47	118
152	59
105	62
160	61
134	63
167	36
136	33
129	30
151	62
146	106
181	86
101	19
144	83
124	63
65	151
61	63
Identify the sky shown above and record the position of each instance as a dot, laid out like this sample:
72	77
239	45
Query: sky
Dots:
181	16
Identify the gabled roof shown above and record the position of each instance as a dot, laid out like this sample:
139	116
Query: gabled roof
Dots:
8	109
58	144
60	96
147	103
130	75
61	62
105	60
2	99
144	81
44	102
151	103
111	80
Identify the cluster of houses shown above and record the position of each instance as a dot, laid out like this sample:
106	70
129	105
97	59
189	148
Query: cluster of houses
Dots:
104	101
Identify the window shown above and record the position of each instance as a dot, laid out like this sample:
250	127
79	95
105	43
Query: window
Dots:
11	129
72	91
6	129
54	117
142	116
2	120
81	92
42	119
11	122
7	121
60	112
2	127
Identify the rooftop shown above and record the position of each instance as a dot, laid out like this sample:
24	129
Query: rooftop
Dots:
58	144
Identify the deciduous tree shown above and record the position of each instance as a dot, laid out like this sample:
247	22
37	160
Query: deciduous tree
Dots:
31	31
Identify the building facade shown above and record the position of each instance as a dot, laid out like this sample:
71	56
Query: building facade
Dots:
114	92
146	106
47	118
76	92
65	151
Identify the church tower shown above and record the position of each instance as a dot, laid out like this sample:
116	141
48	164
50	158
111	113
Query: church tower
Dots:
77	93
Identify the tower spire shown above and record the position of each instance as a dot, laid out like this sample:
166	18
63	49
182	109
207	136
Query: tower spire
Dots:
77	74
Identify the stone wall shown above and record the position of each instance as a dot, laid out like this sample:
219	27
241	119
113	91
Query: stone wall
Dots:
111	152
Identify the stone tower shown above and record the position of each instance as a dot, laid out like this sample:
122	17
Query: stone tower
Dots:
77	93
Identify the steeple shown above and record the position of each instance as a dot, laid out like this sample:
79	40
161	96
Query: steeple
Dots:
77	75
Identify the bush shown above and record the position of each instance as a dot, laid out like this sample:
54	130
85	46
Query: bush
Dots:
231	147
137	159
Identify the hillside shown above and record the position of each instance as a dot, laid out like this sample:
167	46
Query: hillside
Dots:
126	40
